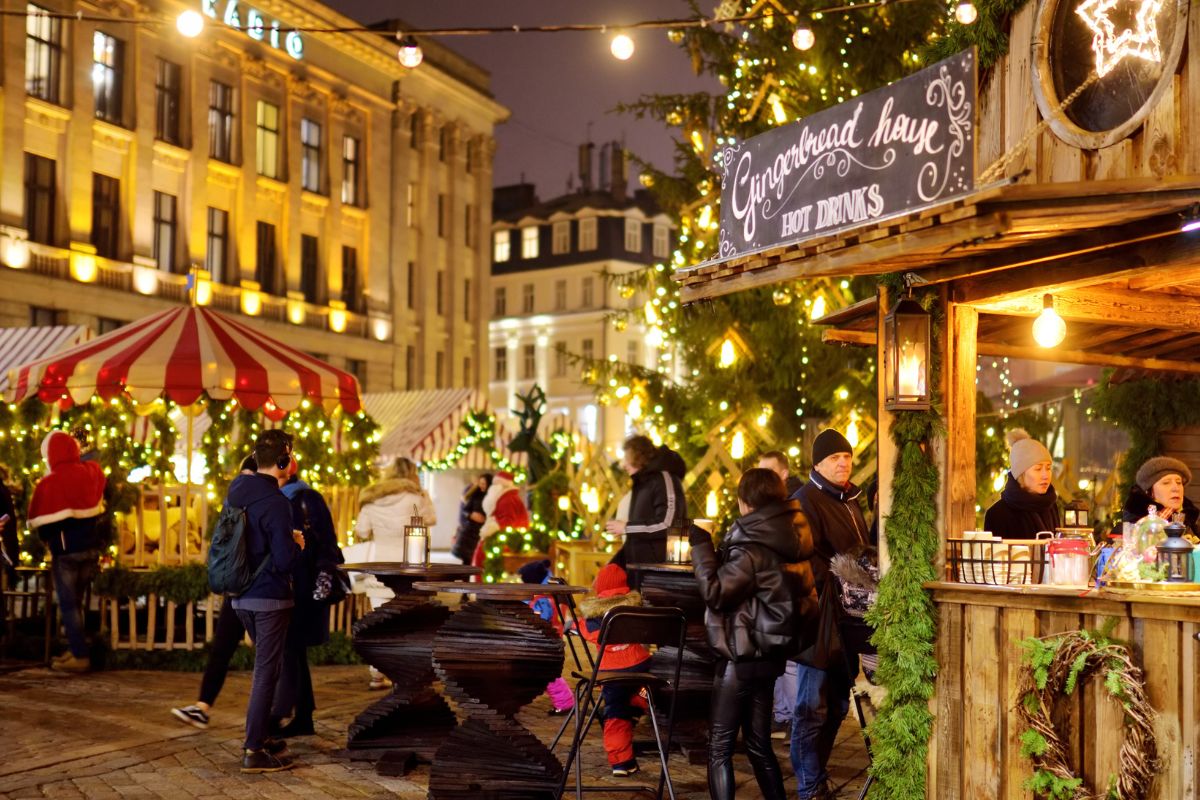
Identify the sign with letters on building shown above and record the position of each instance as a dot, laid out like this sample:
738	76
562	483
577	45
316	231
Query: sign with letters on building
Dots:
255	25
888	152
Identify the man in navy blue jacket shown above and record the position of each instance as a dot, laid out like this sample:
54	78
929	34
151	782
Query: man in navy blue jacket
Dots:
266	607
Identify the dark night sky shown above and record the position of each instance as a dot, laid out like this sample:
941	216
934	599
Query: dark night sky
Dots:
556	83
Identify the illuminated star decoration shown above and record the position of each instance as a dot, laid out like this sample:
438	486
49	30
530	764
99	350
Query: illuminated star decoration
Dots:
1112	47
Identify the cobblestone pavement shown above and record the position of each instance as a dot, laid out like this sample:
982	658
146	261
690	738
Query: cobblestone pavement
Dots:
110	735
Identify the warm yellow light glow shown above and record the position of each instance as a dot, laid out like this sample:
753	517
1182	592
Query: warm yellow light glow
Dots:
635	407
1112	41
651	313
698	141
728	354
852	431
803	38
705	217
251	302
381	329
564	503
337	316
998	481
777	109
912	369
622	392
818	308
204	291
16	252
1049	329
737	445
1084	484
410	54
966	13
654	337
711	507
145	280
622	47
190	24
83	267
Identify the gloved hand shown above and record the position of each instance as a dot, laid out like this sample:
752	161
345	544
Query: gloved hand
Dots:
697	535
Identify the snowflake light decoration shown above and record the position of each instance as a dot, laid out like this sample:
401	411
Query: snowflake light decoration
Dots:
1112	45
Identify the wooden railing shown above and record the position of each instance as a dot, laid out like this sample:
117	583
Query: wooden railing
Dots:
155	531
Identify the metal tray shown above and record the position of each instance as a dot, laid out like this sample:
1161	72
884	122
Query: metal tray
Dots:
1152	586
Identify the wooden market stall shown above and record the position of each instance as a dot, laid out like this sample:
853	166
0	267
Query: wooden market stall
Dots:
1084	200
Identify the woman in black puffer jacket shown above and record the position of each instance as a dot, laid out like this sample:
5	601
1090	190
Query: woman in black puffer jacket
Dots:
761	601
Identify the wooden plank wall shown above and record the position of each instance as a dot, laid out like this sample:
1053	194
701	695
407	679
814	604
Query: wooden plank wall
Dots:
975	752
1164	145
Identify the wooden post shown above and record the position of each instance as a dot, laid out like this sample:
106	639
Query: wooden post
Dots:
884	446
189	625
962	326
151	615
170	643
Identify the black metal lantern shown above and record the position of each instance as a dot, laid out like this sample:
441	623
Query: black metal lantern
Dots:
1175	554
1076	515
416	541
908	343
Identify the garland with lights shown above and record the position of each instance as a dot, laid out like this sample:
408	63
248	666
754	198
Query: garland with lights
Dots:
988	32
479	430
903	616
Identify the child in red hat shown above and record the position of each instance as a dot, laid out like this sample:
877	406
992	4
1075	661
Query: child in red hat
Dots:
622	706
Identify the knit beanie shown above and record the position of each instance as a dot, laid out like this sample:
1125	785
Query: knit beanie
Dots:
1024	452
535	571
1155	468
611	581
827	443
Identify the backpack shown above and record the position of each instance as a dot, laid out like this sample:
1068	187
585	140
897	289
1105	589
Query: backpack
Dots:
229	571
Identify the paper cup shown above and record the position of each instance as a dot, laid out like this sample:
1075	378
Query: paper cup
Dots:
704	524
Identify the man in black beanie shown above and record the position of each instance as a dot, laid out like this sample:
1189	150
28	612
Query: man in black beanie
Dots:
830	502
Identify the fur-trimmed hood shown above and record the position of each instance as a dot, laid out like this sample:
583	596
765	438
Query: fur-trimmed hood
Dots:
594	607
390	486
852	571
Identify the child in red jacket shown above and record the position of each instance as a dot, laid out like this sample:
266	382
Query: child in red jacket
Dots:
622	706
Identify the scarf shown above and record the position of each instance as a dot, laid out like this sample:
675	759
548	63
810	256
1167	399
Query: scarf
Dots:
1038	512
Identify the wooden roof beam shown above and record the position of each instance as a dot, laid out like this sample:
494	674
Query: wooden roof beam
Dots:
1108	306
1159	244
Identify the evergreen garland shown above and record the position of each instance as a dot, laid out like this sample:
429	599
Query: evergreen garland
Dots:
1145	408
989	33
904	617
177	584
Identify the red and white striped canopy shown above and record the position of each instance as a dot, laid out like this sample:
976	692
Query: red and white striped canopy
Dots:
180	354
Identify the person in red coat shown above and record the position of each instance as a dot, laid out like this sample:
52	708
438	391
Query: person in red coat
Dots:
504	508
65	511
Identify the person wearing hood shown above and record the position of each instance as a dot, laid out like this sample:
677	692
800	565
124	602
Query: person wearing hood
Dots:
658	504
471	517
273	547
830	503
1028	504
65	511
760	596
310	617
385	508
1160	482
503	508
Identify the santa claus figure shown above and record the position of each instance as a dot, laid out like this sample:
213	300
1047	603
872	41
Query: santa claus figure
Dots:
504	508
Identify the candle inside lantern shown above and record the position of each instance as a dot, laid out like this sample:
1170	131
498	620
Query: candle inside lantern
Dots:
416	541
911	374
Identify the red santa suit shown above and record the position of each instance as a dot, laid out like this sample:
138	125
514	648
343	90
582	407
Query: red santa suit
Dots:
504	508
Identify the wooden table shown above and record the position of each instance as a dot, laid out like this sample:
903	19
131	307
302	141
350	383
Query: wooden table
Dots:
674	585
495	656
397	639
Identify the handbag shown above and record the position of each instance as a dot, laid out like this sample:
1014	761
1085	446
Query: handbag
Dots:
825	650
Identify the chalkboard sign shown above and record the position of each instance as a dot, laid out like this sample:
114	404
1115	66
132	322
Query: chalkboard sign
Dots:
900	148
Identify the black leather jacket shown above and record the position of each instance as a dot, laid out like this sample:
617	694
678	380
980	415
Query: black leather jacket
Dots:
758	588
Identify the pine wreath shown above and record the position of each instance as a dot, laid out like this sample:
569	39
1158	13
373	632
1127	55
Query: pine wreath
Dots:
1055	666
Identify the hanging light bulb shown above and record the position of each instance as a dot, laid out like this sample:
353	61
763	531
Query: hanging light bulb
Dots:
1049	329
410	54
674	36
190	23
622	47
728	354
803	38
966	13
737	446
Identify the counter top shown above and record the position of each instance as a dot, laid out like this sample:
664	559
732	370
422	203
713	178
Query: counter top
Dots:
1149	604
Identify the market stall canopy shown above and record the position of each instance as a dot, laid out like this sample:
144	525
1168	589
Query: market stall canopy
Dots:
181	354
21	345
427	425
993	229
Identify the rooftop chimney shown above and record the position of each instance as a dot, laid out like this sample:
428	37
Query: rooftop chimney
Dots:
619	179
585	166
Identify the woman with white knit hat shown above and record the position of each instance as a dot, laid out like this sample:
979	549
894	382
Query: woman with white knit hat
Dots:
1028	503
1160	482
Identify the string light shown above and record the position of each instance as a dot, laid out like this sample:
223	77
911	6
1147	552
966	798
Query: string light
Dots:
622	47
803	37
410	53
1049	329
966	13
1111	47
190	23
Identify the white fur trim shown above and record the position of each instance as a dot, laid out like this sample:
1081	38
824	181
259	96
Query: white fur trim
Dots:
66	513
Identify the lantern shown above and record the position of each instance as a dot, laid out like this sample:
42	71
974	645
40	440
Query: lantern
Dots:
1076	515
679	546
416	541
907	344
1175	554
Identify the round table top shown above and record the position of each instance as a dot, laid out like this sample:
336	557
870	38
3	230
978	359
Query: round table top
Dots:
500	591
663	567
437	572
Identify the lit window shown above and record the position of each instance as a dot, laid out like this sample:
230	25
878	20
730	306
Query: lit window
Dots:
501	246
266	145
662	241
529	242
310	155
43	54
351	167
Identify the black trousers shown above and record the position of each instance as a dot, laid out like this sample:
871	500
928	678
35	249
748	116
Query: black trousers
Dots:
295	689
268	631
745	705
227	635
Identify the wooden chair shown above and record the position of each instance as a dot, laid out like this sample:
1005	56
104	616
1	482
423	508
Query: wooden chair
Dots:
629	625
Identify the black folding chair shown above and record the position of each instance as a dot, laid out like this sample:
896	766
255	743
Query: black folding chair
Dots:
629	625
865	710
572	633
